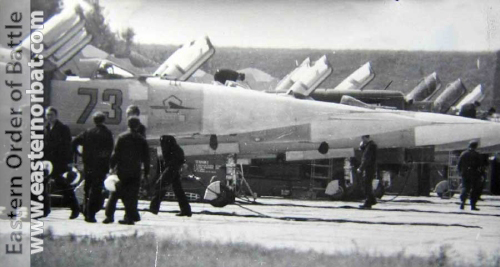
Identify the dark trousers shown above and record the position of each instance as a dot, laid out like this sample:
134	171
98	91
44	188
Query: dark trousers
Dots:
368	186
161	189
93	200
59	186
471	184
128	193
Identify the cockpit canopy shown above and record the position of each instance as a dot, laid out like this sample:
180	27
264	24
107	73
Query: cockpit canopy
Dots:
96	68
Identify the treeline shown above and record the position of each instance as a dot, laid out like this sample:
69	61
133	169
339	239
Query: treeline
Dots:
118	44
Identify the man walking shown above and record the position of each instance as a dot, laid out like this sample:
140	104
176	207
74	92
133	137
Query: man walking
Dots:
470	166
57	150
97	146
131	150
173	156
134	111
368	168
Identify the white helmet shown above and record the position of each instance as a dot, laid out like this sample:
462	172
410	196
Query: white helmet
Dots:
110	182
73	176
47	166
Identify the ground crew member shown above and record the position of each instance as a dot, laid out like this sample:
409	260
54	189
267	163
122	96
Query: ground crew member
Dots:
223	75
488	114
469	110
368	168
57	150
97	145
131	150
173	157
134	111
470	164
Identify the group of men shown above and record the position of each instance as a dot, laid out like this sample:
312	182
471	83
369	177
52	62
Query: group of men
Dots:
128	158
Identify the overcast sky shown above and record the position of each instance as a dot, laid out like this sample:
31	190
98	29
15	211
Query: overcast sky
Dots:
452	25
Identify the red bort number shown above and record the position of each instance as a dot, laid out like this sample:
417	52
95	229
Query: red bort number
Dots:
113	96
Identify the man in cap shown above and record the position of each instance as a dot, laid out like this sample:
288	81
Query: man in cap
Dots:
97	143
57	150
134	111
470	164
131	150
223	75
368	168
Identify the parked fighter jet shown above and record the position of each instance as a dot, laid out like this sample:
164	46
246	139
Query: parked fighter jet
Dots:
244	122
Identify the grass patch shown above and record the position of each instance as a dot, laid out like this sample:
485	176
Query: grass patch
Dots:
146	250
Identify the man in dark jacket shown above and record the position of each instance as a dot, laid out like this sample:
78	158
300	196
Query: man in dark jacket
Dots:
97	145
131	151
173	157
470	165
134	111
223	75
368	167
469	110
57	150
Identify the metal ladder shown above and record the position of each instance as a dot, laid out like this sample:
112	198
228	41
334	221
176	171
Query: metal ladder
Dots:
321	173
454	178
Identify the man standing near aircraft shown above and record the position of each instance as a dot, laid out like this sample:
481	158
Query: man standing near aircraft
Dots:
131	150
470	165
368	167
134	111
97	145
57	150
223	75
173	156
469	110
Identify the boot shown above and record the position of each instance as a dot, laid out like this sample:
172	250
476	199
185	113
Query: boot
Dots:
185	212
90	219
74	214
462	206
126	221
365	206
108	220
181	214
